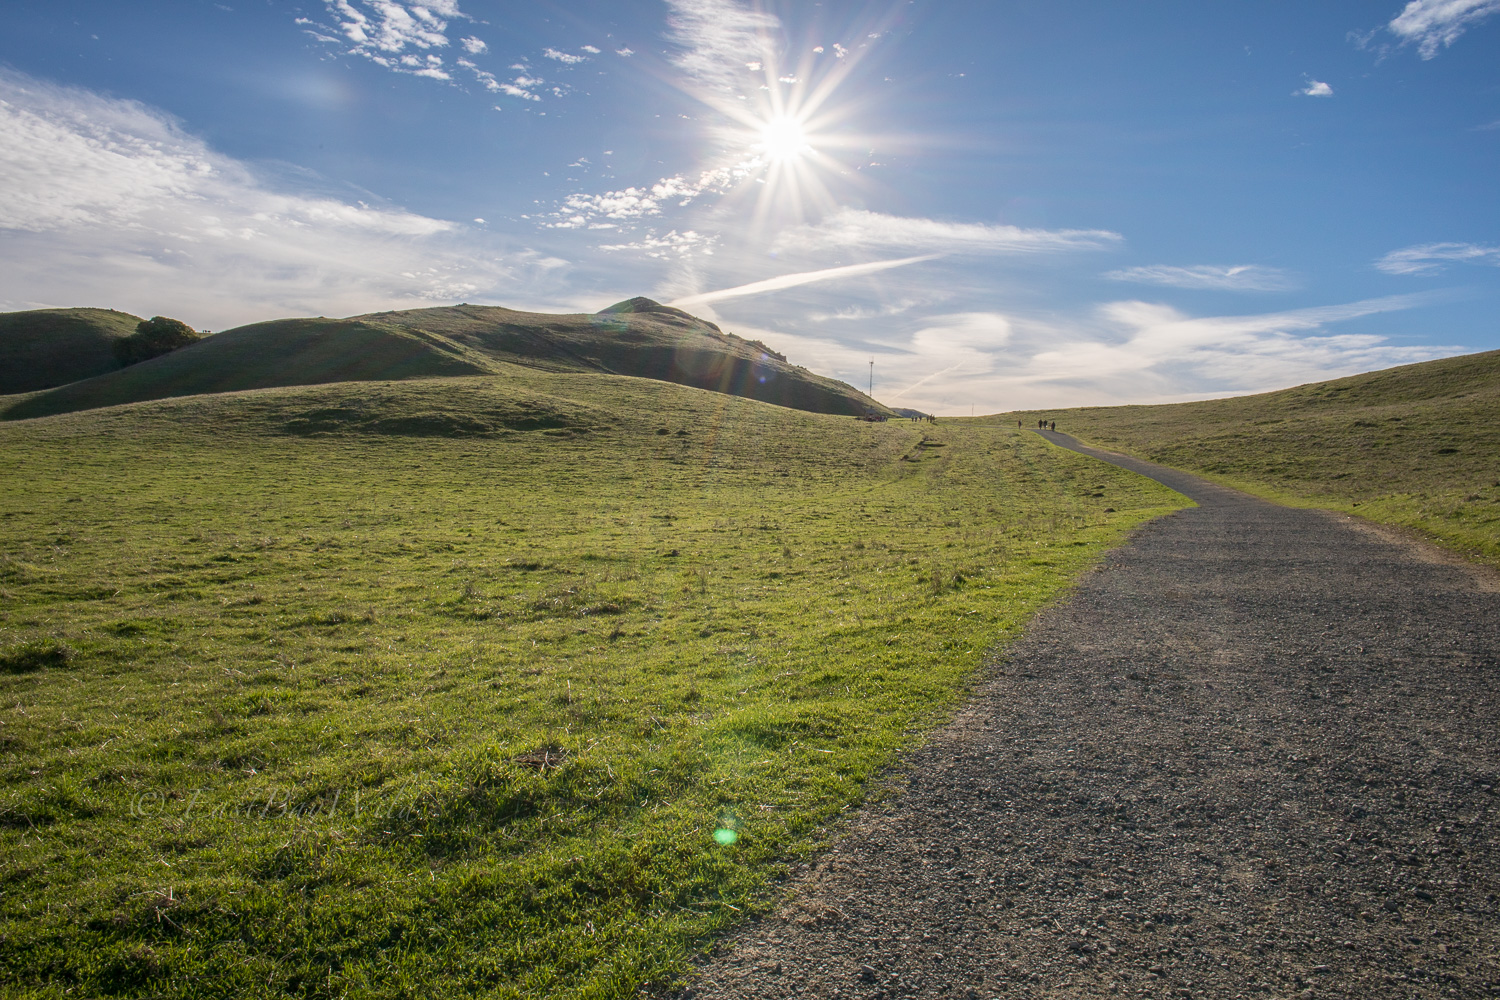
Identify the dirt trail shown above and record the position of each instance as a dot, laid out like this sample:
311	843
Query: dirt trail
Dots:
1256	754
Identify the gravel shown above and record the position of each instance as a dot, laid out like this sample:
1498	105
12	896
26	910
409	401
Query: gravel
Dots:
1256	753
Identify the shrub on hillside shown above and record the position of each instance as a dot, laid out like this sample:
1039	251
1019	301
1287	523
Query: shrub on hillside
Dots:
154	337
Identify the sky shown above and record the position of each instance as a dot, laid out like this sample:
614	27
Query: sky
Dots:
1023	204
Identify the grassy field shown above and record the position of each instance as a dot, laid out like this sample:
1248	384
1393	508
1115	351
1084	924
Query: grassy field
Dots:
477	686
1417	446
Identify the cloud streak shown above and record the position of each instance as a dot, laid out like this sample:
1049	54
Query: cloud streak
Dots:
1435	24
1234	278
1429	258
852	228
786	281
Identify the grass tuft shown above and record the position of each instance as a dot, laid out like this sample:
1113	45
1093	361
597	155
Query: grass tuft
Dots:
37	655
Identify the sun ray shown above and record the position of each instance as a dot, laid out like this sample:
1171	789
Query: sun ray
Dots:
791	149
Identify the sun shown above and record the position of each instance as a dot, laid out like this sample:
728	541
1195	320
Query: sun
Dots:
783	138
783	144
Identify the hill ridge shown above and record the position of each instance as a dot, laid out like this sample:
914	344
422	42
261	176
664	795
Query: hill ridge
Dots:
637	337
44	348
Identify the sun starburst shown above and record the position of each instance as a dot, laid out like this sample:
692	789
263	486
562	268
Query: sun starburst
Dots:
787	140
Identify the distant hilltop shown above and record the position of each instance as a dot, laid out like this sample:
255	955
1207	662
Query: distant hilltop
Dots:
61	360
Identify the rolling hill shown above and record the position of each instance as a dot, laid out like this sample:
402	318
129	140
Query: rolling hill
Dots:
637	337
262	356
1417	445
43	348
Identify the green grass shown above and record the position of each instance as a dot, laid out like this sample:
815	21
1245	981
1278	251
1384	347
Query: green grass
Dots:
1417	446
642	338
262	355
42	348
303	695
455	341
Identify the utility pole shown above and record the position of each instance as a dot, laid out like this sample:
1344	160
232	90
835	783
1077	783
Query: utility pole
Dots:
871	393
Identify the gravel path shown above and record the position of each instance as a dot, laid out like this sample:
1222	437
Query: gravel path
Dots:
1256	754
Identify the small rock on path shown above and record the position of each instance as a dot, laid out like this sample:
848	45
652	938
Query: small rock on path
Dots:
1256	754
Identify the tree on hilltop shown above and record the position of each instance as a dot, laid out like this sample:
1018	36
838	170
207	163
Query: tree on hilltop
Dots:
154	337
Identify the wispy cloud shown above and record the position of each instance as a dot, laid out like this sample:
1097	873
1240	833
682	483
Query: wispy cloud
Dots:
853	228
719	39
785	281
1143	352
580	211
483	76
397	34
1314	88
162	223
1434	24
1235	278
864	314
1428	258
1119	352
668	246
401	34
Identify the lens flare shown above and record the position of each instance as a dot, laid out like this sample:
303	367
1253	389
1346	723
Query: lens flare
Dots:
786	145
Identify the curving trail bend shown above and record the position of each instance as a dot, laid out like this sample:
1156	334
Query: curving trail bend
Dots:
1255	754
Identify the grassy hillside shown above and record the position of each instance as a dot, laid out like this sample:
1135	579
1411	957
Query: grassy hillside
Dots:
476	686
43	348
278	353
638	337
642	338
1417	446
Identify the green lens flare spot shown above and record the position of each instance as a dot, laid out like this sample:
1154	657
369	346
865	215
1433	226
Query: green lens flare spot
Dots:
725	837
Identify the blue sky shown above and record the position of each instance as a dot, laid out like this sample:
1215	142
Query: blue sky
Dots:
1005	205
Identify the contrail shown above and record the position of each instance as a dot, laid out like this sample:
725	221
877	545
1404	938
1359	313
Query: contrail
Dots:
926	378
801	278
